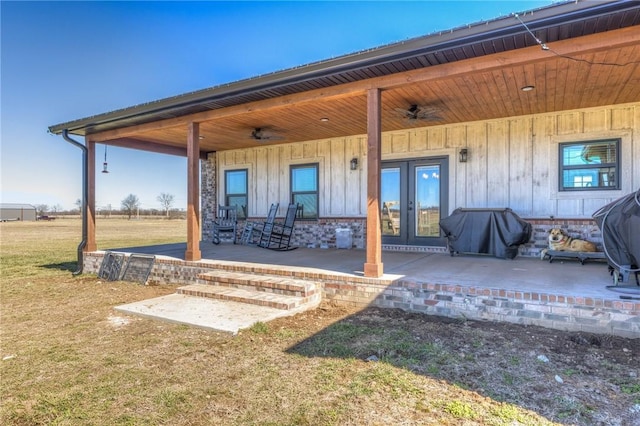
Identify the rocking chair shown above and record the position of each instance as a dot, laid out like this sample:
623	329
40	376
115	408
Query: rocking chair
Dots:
226	223
251	229
278	237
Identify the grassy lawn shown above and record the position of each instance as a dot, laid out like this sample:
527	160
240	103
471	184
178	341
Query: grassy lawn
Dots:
68	358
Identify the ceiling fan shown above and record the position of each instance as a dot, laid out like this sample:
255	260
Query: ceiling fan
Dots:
262	134
417	112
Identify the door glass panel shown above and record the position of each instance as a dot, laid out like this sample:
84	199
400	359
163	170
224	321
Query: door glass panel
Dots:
427	201
390	198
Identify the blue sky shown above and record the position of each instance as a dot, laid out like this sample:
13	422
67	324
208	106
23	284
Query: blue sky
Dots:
62	61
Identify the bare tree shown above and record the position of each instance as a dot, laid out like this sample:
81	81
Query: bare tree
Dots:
130	204
166	201
79	205
41	209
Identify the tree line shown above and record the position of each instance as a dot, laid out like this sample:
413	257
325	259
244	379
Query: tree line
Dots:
129	206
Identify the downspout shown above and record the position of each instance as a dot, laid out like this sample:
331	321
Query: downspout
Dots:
85	197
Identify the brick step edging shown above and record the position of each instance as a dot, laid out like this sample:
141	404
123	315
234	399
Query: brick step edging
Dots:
283	302
265	283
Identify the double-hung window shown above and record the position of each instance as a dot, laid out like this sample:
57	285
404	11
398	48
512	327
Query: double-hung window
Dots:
593	165
304	189
236	190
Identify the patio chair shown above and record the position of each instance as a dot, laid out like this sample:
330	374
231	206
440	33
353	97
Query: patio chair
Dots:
226	223
279	236
253	229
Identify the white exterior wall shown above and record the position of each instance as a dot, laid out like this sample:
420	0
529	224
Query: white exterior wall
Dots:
512	163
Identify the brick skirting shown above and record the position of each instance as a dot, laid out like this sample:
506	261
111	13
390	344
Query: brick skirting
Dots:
567	313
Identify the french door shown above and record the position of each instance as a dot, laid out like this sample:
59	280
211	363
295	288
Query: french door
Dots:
413	199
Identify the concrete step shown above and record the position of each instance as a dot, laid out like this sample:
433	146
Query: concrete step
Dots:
293	272
281	285
254	297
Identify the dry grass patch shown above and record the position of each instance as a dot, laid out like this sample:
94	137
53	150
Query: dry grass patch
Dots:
69	358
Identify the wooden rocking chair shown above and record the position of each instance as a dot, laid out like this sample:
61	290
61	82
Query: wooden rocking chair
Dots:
226	223
279	236
251	229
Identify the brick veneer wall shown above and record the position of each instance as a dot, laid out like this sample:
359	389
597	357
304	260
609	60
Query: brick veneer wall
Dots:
208	195
585	229
322	234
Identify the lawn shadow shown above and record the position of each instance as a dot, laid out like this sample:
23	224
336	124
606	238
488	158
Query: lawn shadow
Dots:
379	334
496	360
62	266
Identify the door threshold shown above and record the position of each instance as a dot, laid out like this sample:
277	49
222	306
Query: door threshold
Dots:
416	249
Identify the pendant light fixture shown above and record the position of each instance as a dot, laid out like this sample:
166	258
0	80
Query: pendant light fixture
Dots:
104	165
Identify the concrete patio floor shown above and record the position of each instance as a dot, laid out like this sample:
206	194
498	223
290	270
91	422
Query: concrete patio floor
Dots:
561	277
514	290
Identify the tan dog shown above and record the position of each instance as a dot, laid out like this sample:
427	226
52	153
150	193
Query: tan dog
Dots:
560	241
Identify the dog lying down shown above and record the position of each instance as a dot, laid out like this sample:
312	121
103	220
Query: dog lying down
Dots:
560	241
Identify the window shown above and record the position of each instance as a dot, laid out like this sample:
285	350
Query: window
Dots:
304	190
593	165
236	191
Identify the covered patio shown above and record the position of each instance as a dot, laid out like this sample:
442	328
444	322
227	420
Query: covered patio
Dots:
478	117
503	92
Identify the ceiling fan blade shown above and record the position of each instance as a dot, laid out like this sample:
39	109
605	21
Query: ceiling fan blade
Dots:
417	112
261	134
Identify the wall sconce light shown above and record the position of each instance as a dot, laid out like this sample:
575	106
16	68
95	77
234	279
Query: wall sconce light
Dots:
104	165
463	155
354	163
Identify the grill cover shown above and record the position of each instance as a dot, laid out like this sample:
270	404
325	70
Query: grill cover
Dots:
497	232
619	222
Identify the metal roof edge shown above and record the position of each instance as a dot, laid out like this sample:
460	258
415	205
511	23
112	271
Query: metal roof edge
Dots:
534	18
16	205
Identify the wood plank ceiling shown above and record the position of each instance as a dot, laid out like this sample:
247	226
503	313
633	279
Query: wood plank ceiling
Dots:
601	68
559	84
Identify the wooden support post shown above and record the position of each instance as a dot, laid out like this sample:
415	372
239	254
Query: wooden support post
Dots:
373	266
91	244
193	193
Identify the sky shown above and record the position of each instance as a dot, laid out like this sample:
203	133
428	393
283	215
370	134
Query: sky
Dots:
62	61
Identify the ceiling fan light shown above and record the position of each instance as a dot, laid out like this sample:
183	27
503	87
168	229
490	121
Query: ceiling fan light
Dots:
527	88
